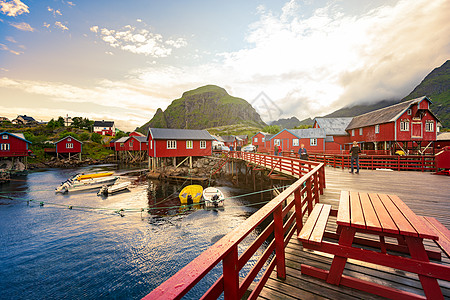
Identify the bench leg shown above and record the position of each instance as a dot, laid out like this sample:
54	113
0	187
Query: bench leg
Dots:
338	264
430	285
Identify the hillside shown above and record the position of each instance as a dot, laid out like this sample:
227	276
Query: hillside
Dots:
356	110
436	86
205	107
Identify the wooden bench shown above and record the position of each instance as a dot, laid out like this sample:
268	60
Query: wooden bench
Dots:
441	231
314	228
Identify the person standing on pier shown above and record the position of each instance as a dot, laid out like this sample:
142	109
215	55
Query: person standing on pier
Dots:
275	150
302	152
354	151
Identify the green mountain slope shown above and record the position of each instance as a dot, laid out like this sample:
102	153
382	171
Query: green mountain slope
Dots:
205	107
436	86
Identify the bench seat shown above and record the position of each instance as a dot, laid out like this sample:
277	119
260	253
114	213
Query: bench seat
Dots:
441	231
314	228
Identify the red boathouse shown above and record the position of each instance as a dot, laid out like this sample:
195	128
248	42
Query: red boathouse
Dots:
13	145
291	139
69	146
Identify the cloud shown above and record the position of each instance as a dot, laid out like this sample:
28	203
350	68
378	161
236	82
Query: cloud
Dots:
13	8
6	48
22	26
139	40
61	26
54	11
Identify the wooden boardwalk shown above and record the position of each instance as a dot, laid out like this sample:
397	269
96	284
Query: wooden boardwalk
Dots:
424	193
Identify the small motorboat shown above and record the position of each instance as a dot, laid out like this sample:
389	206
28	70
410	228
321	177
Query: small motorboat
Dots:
118	187
83	176
213	197
191	194
85	184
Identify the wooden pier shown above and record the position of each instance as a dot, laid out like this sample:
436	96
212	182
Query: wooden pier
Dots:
424	193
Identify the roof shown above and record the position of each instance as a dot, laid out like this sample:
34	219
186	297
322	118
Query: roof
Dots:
308	133
27	118
69	136
228	138
103	123
17	135
122	139
136	133
243	136
443	136
141	139
383	115
179	134
334	126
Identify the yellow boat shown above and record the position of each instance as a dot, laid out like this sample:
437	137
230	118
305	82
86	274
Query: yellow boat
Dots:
91	176
195	191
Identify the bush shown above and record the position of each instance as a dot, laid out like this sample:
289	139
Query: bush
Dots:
96	138
84	136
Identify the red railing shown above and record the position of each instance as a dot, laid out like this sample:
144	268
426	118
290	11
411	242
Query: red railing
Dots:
284	214
372	162
14	154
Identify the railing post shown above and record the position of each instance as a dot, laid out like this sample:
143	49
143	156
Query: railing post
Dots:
298	209
322	179
316	187
309	195
231	274
279	242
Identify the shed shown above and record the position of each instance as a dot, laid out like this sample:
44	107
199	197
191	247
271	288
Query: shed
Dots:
336	135
292	139
13	145
69	146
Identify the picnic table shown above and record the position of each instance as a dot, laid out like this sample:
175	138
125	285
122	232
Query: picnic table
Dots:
382	216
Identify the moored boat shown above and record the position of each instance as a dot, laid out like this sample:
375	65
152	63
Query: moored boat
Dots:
82	176
213	197
85	184
191	194
118	187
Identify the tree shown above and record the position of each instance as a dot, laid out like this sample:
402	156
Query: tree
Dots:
96	138
272	129
60	122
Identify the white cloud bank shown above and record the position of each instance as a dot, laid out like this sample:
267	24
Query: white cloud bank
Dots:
13	8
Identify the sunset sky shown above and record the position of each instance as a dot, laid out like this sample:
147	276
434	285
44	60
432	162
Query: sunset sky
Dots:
121	60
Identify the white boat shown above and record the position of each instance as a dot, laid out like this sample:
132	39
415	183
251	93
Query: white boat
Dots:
86	184
107	190
213	197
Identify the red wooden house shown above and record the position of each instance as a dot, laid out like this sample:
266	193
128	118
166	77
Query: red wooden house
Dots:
68	146
406	125
291	139
13	145
164	142
105	127
135	133
336	136
261	141
131	148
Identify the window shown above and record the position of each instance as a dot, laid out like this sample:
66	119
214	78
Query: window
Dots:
353	132
5	136
313	142
404	125
276	142
69	139
202	144
69	145
171	144
131	143
121	144
360	131
294	142
189	144
429	126
255	140
263	140
377	128
409	112
4	147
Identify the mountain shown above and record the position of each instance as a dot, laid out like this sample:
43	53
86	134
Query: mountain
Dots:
286	123
205	107
436	86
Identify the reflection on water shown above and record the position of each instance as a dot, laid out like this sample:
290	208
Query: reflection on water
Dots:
91	252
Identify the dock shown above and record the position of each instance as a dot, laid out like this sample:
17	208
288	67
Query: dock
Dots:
424	193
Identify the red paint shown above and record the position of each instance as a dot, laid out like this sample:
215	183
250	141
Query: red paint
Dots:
63	145
286	142
131	144
158	148
18	147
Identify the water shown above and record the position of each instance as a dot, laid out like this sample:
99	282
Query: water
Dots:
52	252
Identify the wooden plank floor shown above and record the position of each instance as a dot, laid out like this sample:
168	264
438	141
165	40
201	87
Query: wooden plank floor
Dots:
424	193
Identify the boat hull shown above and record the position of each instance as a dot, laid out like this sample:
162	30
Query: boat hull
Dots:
194	190
87	184
210	200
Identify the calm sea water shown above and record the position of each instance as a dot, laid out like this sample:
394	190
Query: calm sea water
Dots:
52	252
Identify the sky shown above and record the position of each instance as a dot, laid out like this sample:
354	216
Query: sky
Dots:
122	60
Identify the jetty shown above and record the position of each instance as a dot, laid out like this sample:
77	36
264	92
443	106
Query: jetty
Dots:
365	260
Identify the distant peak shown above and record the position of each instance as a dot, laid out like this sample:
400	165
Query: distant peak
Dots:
206	89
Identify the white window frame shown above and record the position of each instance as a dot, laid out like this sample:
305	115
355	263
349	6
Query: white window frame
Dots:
360	131
69	139
353	132
255	140
404	125
131	143
4	147
263	140
171	144
5	136
377	128
189	144
429	126
313	142
69	146
276	142
202	144
409	112
295	142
